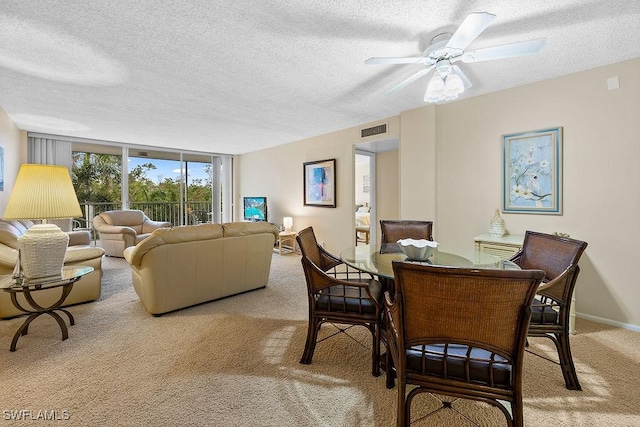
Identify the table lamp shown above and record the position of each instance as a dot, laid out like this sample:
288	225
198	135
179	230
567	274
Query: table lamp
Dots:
42	192
287	221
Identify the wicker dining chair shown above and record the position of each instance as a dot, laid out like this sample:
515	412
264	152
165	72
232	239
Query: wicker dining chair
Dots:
558	257
459	332
394	230
339	295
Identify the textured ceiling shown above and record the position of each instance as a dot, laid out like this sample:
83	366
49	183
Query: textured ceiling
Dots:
234	76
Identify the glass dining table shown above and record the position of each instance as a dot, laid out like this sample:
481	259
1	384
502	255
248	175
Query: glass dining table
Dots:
377	259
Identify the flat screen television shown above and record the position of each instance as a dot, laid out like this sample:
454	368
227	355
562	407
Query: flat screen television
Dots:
255	209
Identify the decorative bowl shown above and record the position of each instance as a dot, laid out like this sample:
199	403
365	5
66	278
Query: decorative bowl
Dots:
417	250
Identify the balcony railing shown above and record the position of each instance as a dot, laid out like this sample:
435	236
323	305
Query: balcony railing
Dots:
197	212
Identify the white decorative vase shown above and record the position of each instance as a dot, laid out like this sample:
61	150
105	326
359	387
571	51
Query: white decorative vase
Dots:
496	226
42	249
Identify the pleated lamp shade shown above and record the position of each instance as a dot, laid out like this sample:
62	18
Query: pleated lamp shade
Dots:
42	192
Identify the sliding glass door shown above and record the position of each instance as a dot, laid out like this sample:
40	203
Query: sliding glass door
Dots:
198	188
179	187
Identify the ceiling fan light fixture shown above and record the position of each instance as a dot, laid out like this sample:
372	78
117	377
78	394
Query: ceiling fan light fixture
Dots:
453	85
435	89
444	87
448	81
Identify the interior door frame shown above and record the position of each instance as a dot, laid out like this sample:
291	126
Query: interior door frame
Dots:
372	191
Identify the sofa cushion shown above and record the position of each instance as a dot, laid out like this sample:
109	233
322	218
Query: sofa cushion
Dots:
187	233
161	236
81	253
11	230
235	229
9	235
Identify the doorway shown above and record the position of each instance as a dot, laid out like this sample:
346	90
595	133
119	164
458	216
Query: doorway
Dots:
377	159
364	197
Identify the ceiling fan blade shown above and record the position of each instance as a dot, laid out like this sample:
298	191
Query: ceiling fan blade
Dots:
505	51
410	80
465	81
394	60
470	28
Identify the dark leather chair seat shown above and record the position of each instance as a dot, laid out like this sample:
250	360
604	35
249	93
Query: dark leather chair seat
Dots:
452	361
543	313
350	299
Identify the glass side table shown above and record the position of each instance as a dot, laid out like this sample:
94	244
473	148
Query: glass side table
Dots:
27	288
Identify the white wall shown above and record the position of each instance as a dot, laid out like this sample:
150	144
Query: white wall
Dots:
600	156
14	154
418	165
277	174
450	171
387	184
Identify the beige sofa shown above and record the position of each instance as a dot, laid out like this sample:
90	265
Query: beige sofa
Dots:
184	266
121	229
79	252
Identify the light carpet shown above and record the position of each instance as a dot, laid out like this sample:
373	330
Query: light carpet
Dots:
234	362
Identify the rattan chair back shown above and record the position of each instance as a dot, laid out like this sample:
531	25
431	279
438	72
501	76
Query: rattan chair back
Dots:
550	253
460	332
310	249
394	230
558	257
339	296
458	306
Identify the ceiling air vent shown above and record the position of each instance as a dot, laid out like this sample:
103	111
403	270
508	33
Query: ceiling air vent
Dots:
375	130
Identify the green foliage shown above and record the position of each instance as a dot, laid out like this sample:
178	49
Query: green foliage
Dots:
98	178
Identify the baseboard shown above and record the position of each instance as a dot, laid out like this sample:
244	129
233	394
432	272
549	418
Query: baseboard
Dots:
597	319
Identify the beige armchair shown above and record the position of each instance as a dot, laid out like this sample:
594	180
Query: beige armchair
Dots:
79	253
120	229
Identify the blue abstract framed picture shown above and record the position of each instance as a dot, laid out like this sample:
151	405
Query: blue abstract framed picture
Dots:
532	172
320	183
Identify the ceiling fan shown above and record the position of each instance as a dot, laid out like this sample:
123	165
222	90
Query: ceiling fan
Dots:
448	80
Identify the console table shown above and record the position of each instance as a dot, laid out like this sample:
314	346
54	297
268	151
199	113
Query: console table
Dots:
504	247
29	288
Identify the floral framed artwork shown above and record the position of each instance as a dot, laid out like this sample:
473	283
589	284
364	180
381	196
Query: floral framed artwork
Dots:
320	183
532	172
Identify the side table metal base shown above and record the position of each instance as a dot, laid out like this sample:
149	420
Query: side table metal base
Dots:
24	328
27	287
35	310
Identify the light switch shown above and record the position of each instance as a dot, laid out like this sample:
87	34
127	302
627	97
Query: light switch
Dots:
613	83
